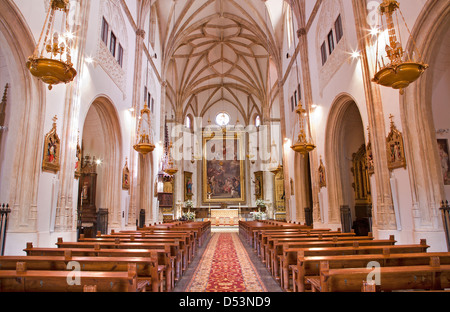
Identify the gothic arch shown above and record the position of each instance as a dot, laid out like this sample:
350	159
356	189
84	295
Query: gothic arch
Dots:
104	131
27	116
337	156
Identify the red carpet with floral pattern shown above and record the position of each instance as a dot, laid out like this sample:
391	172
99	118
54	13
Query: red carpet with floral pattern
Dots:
225	267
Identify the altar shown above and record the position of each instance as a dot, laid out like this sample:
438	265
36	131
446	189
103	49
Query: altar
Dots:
225	217
224	213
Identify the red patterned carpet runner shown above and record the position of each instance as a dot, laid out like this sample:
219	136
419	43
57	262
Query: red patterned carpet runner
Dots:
225	267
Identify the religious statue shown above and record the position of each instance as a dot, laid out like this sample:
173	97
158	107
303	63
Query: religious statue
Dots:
322	174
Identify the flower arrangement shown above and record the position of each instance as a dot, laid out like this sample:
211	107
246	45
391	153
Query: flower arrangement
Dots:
188	203
260	202
189	216
259	215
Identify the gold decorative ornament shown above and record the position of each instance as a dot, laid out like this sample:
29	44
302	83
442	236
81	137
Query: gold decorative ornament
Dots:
401	70
370	160
276	169
274	165
78	158
167	163
209	131
52	146
170	169
395	148
302	146
125	176
144	140
55	66
322	174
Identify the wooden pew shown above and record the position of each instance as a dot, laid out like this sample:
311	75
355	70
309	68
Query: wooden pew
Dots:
423	277
23	280
310	266
248	228
201	229
289	260
262	237
166	263
272	242
275	254
187	236
185	249
147	268
175	249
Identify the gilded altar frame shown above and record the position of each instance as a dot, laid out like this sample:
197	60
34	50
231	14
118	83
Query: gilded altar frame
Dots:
212	160
125	176
259	185
188	183
52	147
395	148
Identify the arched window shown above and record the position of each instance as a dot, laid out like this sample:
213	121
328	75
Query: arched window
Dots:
289	26
188	122
257	121
152	27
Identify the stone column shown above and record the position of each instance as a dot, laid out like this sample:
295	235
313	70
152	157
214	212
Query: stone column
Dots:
133	212
308	102
287	184
65	209
385	216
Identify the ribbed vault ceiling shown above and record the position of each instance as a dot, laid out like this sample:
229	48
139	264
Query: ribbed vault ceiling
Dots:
217	52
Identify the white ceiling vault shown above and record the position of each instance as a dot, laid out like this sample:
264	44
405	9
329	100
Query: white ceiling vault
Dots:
216	52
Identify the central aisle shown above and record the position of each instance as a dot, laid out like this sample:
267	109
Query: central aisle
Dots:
225	267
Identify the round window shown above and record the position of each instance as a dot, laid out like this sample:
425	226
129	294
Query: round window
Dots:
222	119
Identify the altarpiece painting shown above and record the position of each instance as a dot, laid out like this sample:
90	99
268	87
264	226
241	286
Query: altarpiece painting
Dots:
223	168
445	162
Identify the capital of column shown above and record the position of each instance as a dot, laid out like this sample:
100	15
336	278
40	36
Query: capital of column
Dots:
301	32
140	33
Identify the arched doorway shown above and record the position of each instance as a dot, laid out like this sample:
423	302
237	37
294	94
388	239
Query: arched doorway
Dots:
102	141
348	181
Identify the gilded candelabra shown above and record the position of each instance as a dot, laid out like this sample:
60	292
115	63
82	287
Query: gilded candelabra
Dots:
51	61
401	69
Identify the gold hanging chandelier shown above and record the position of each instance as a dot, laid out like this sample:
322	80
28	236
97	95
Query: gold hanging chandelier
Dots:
170	169
303	145
51	61
144	141
401	69
274	166
167	163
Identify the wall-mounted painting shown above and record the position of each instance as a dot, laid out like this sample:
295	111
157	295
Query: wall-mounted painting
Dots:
369	154
125	176
395	149
223	168
78	157
50	161
259	185
445	162
188	186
